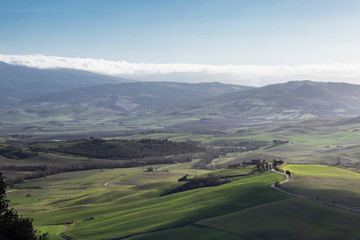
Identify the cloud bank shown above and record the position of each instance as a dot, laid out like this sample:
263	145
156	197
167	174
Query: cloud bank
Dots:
256	75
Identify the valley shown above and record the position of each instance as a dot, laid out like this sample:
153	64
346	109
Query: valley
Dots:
120	159
102	106
180	120
77	204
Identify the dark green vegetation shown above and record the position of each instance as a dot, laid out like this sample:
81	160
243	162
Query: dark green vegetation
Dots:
13	226
123	149
197	182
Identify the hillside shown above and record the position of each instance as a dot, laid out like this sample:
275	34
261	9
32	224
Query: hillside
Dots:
137	96
294	100
19	83
106	109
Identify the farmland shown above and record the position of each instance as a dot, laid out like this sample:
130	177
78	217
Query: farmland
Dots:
111	202
131	206
134	200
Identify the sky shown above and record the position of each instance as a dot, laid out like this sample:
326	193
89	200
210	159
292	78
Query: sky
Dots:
234	41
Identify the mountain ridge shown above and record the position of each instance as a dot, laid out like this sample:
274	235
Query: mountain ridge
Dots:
19	82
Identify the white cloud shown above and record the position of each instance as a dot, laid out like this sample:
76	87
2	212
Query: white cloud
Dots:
238	74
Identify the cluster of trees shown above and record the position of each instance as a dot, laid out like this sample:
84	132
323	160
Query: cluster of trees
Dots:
13	226
263	166
128	149
198	182
286	189
276	163
184	178
280	141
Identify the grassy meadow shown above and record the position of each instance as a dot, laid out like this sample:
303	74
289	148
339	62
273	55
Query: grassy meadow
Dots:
132	204
289	219
327	183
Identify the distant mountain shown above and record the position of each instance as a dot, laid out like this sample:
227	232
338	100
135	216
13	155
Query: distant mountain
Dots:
136	96
139	106
294	100
220	104
18	83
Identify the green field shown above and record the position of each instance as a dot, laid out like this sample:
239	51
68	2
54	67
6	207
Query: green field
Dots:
132	204
324	141
190	232
52	230
327	183
246	208
289	219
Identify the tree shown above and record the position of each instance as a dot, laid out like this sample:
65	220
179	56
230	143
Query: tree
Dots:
13	226
183	178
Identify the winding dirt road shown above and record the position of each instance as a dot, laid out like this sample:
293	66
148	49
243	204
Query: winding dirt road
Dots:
169	166
107	183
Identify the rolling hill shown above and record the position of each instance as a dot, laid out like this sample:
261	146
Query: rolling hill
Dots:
19	83
295	100
136	96
67	101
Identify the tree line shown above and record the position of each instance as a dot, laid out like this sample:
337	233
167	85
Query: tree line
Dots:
128	149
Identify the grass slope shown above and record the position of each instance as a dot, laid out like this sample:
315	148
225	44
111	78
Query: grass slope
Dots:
289	219
329	183
132	204
190	233
52	230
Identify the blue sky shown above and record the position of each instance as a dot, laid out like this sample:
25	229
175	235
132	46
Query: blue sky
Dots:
260	32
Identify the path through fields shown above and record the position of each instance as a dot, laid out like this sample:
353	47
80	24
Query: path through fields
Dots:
61	234
169	166
314	199
107	183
